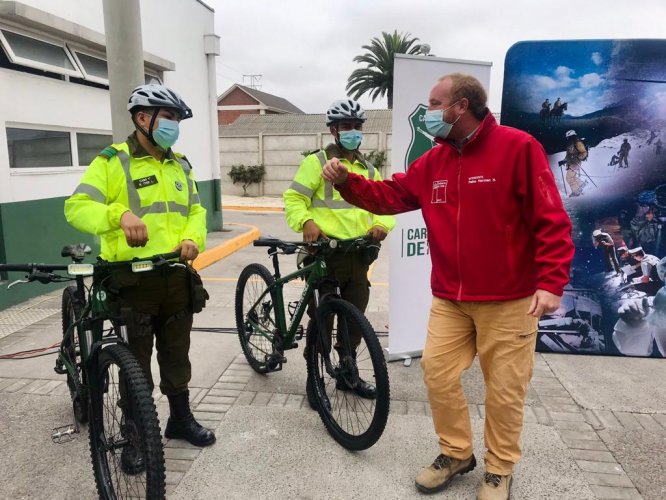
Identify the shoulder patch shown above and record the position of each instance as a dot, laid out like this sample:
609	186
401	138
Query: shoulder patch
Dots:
108	152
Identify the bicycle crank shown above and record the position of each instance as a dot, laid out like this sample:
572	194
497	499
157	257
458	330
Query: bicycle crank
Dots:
274	362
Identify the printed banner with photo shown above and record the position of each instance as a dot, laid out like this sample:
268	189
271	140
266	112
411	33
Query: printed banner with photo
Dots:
599	109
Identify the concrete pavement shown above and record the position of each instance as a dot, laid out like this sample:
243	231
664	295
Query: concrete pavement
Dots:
595	427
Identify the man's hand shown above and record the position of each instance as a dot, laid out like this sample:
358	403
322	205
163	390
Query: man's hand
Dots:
136	232
378	233
334	171
543	302
188	249
311	231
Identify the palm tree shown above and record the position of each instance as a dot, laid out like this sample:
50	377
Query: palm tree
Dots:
377	76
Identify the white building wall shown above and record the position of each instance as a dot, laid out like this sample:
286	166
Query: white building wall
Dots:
34	101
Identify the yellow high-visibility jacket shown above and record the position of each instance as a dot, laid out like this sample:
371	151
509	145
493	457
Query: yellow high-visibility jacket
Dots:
311	197
163	194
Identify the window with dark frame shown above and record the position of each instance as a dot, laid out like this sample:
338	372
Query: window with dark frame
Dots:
33	148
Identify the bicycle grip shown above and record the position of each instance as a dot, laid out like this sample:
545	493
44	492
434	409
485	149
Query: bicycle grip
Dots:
15	267
170	255
266	242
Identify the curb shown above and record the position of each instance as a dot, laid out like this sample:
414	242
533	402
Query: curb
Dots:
241	208
208	257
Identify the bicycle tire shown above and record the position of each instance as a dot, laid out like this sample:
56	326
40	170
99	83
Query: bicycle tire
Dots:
258	347
78	390
111	429
338	409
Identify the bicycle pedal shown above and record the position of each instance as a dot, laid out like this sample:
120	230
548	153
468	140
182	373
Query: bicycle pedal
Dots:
294	345
64	434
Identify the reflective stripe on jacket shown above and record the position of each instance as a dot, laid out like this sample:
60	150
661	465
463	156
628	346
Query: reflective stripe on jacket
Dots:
164	195
310	197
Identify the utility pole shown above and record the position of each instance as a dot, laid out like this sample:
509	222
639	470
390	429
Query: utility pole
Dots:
124	59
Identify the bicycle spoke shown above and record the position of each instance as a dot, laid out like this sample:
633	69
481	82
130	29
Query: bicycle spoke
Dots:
256	319
354	421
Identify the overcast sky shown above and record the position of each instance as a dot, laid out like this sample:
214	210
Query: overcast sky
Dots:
304	49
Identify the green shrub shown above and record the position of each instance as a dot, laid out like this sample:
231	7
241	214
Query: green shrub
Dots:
247	175
377	158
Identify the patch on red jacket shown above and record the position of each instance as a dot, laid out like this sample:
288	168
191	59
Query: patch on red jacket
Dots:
439	191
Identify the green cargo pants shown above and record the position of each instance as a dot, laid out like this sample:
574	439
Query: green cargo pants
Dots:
350	270
159	301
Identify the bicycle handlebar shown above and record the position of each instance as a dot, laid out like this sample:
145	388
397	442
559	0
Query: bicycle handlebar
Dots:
44	272
290	247
28	268
161	257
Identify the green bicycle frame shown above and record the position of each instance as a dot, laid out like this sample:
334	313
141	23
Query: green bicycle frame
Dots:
313	273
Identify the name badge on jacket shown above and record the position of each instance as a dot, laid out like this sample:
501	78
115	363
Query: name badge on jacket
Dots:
145	181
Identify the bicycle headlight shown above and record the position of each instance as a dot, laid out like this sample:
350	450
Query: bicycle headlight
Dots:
142	266
80	269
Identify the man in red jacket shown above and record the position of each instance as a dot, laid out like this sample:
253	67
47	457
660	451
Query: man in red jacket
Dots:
501	249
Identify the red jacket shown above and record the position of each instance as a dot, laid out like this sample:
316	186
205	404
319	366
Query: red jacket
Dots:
497	229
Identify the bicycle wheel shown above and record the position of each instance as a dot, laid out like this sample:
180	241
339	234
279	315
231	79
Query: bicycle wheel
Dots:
336	368
78	390
256	321
126	424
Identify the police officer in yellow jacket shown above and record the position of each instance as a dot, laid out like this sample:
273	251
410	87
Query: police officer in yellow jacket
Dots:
317	210
141	199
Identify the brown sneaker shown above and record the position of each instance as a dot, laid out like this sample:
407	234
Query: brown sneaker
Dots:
435	477
495	487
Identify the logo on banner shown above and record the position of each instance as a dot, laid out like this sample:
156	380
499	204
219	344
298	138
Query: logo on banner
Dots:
439	191
421	140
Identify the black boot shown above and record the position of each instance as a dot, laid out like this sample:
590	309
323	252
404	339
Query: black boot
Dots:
182	425
131	460
362	388
312	399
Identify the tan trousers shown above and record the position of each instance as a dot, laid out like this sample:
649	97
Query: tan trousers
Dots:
573	179
504	336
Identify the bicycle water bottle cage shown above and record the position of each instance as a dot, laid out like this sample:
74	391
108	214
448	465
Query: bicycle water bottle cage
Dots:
291	307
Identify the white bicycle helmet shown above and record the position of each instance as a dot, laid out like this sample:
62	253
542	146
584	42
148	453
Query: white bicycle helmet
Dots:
344	109
570	133
158	96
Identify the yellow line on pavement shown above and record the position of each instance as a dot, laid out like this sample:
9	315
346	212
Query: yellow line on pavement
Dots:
219	252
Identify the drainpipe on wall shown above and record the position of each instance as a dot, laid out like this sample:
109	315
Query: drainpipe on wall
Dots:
124	55
212	50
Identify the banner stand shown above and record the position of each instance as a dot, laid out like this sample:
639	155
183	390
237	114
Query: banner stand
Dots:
410	294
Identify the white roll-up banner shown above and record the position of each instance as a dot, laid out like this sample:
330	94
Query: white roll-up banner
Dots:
410	294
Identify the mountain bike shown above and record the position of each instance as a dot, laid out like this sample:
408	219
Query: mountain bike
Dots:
335	366
107	386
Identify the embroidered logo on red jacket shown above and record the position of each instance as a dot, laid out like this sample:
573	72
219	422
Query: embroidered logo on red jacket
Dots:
439	191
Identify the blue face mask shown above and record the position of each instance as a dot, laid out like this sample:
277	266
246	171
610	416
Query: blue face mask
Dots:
167	133
351	139
435	124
